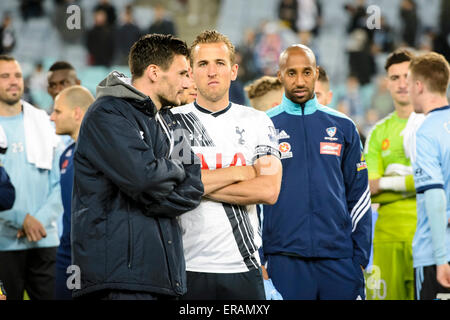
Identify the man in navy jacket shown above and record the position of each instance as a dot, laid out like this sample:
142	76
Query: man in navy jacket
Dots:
128	186
317	237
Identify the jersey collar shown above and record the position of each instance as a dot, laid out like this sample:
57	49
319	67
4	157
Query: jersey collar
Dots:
439	109
309	106
214	114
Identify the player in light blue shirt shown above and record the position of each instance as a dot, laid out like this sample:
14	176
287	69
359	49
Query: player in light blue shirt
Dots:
28	231
428	80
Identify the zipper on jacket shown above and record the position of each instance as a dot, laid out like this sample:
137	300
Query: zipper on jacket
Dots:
167	131
303	105
165	252
130	240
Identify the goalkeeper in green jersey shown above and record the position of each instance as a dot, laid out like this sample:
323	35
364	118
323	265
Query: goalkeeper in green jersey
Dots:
387	153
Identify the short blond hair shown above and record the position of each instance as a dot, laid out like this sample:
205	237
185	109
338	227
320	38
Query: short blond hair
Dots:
261	90
77	96
213	36
433	69
261	86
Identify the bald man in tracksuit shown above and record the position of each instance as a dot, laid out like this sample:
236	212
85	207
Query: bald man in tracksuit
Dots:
317	237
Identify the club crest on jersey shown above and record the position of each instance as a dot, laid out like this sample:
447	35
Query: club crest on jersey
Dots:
285	149
331	133
240	132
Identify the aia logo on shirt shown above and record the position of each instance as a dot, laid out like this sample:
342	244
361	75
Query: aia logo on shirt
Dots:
330	148
238	157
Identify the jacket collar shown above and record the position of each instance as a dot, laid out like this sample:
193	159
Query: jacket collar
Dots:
146	106
309	106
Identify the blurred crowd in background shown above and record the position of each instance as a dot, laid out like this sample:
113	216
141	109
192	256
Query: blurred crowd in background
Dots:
36	33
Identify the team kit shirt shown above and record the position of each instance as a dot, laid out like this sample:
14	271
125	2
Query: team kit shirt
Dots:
431	170
43	203
385	156
66	181
220	237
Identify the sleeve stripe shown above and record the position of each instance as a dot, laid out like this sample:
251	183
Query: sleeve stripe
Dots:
362	199
362	215
431	186
361	208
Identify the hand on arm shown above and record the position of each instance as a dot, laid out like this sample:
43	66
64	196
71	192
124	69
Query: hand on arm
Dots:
263	189
374	185
216	179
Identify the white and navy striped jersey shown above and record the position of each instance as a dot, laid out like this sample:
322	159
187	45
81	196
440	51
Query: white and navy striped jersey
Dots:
220	237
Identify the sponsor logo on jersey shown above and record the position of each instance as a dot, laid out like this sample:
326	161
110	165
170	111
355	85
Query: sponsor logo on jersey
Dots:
285	149
420	176
64	166
362	164
238	158
331	133
69	153
447	126
385	144
283	135
330	148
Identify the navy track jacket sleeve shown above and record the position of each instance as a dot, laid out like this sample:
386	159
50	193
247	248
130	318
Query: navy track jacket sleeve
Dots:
358	199
114	146
7	191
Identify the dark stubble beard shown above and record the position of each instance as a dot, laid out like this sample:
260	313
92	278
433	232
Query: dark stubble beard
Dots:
10	102
167	103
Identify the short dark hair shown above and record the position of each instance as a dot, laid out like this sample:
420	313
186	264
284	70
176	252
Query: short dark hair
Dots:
6	57
398	56
61	65
323	76
155	49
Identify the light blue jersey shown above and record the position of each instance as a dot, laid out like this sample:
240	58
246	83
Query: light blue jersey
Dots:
431	171
37	191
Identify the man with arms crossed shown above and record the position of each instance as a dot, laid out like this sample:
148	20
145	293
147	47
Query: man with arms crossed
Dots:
240	168
428	80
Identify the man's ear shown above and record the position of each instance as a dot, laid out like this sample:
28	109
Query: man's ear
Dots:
279	76
78	81
234	71
152	72
420	86
329	97
78	113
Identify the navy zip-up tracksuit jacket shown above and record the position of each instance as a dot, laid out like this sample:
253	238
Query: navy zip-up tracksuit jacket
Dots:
323	210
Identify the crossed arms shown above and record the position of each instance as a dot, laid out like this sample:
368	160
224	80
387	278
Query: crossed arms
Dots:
245	185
